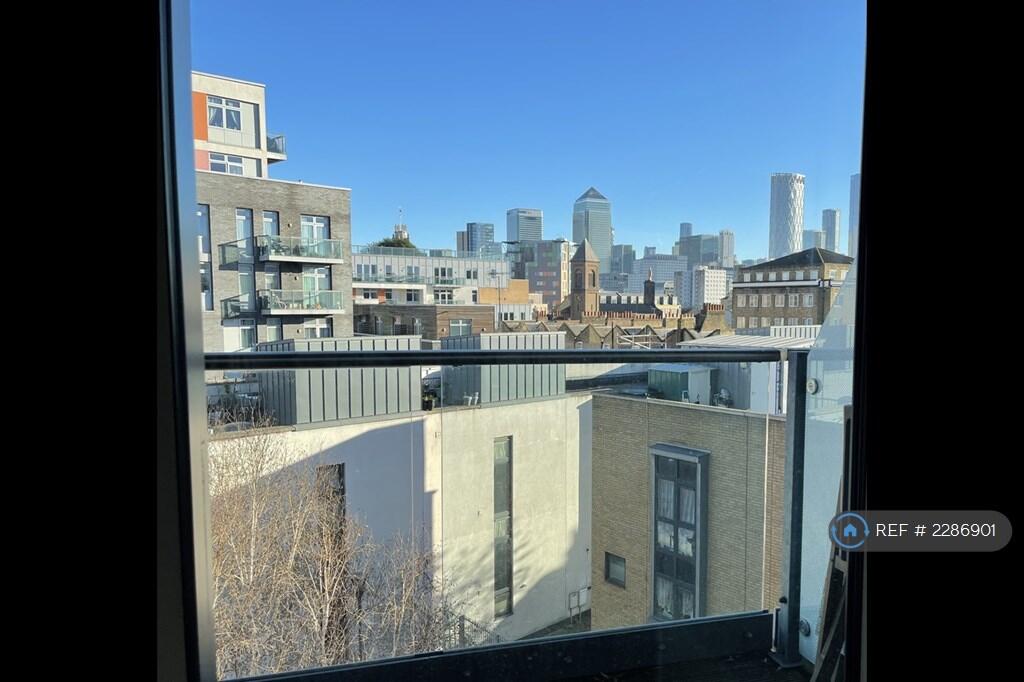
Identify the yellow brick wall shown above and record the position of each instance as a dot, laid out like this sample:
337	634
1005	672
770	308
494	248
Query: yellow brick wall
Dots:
624	429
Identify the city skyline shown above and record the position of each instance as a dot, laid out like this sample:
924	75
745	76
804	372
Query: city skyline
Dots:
396	130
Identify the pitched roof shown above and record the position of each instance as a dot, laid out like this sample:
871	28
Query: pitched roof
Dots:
585	253
805	258
592	193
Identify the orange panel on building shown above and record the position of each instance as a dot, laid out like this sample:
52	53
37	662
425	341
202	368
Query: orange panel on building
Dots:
199	116
202	160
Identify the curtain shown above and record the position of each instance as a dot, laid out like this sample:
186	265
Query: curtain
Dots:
687	505
663	597
666	499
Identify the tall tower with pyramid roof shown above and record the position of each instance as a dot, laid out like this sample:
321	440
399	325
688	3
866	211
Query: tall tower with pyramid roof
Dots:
585	287
592	221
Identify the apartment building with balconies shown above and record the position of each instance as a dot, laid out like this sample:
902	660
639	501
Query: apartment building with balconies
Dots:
275	261
229	124
403	276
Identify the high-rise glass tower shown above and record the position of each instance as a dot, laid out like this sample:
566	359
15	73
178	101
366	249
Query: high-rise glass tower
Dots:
480	238
524	225
786	221
685	230
622	258
592	220
815	239
854	214
830	226
727	248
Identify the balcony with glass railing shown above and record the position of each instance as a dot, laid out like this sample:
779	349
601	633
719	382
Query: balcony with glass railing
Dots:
299	302
448	281
276	150
485	411
238	251
388	278
237	306
275	248
424	253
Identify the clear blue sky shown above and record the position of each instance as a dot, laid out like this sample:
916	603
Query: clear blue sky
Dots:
456	111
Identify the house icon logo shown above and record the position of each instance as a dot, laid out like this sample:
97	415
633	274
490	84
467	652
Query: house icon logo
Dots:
852	526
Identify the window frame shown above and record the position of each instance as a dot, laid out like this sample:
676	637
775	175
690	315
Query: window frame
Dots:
701	459
228	162
462	322
608	556
223	106
186	641
507	519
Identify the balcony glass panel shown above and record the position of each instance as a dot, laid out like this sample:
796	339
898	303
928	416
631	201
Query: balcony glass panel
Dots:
550	455
301	301
276	144
273	246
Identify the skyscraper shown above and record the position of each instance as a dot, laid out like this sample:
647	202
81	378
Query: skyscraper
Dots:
480	238
461	240
700	249
727	248
685	230
622	258
814	239
854	214
786	221
592	221
524	224
830	226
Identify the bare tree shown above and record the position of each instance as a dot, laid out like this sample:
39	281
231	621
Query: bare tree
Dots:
298	581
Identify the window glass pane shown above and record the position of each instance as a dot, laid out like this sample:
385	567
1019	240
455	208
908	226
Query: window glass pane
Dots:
502	481
274	330
685	545
687	505
611	462
688	472
665	532
616	569
243	223
686	571
271	224
203	213
666	499
663	597
683	602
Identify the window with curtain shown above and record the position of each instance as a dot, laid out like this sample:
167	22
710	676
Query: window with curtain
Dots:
676	525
